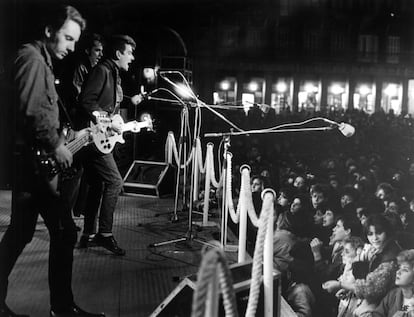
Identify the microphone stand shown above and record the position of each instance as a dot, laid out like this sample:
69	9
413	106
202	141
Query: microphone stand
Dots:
190	235
224	203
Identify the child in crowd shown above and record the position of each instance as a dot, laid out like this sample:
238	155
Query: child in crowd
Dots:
399	302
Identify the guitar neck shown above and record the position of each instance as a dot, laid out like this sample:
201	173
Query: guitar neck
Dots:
75	145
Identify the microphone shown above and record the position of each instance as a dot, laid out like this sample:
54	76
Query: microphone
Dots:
346	129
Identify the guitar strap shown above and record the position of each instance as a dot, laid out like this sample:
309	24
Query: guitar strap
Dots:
119	95
65	111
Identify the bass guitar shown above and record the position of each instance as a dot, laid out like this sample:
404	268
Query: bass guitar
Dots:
105	138
48	167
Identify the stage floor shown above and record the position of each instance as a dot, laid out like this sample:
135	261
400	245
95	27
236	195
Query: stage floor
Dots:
133	285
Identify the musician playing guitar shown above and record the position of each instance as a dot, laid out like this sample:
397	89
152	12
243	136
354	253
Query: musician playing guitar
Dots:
102	92
38	126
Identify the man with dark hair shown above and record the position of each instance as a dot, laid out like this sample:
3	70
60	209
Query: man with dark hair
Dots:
102	93
37	126
91	48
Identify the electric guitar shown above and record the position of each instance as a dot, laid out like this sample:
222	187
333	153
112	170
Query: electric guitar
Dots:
48	167
105	138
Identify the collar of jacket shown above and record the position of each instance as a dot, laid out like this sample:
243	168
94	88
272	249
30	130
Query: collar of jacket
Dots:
41	45
111	64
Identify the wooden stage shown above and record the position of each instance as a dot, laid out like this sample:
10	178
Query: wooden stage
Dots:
133	285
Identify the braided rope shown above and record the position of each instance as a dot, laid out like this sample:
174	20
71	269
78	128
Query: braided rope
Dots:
235	215
210	154
171	148
267	210
212	260
202	168
207	183
246	194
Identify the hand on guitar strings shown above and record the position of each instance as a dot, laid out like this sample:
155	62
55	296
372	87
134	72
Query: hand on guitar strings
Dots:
63	156
81	133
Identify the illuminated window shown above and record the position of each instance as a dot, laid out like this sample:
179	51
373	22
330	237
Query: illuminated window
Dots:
256	86
411	96
225	90
391	98
281	95
247	101
337	97
309	95
364	97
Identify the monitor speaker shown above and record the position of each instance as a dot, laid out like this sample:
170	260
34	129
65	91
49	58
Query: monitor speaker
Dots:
179	301
149	178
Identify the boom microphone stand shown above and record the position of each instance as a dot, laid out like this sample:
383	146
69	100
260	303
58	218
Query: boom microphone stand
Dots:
182	151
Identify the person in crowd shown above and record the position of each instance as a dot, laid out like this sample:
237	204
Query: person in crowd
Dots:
297	281
257	187
324	233
367	207
319	198
349	198
328	260
102	93
375	270
348	302
284	199
37	126
385	192
300	184
298	216
400	300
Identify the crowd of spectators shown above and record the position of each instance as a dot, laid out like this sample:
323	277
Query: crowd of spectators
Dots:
345	210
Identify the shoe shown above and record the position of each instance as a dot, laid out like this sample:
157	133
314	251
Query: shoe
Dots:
74	311
86	241
110	244
6	312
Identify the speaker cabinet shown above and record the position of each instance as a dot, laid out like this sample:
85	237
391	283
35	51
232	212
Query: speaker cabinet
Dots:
149	178
179	301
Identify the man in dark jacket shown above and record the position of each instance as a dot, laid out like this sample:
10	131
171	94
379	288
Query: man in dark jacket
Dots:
102	93
38	126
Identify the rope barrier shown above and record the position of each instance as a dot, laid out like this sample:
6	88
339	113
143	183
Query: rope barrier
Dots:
214	260
264	242
266	222
171	149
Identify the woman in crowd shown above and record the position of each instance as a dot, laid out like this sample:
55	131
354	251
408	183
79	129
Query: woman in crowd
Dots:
375	271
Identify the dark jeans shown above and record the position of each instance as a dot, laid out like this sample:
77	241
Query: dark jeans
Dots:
31	198
105	184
